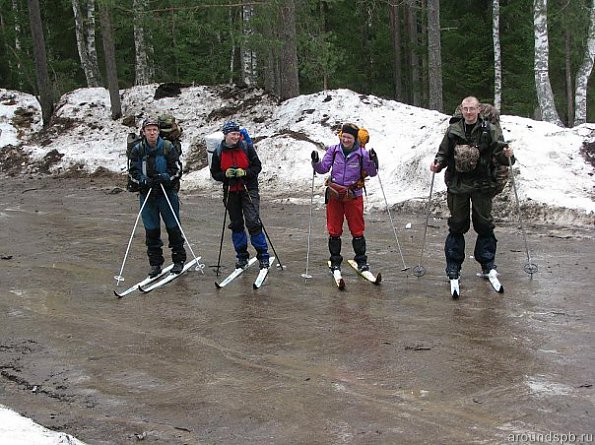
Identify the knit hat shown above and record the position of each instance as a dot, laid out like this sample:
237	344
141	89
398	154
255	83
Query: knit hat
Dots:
230	126
351	129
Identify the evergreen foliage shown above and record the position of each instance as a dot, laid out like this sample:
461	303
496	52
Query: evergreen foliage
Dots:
347	43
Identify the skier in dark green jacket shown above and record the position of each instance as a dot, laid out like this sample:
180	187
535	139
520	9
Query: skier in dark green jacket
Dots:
471	150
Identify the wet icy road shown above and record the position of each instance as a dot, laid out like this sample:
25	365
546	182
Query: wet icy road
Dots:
296	362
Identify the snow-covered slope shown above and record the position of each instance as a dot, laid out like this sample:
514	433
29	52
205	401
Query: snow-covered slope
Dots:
555	183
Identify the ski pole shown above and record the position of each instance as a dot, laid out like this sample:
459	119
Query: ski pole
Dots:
119	277
279	266
419	270
529	267
223	228
405	267
199	266
306	274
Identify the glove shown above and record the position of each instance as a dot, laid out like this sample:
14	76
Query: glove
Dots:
230	173
145	183
163	178
373	157
314	156
240	172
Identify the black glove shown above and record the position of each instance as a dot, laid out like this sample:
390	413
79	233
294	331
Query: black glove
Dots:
161	178
145	183
314	156
373	157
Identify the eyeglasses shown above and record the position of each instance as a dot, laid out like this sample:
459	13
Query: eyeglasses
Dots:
467	109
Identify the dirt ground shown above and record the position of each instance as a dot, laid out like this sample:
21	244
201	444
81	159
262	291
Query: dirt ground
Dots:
297	361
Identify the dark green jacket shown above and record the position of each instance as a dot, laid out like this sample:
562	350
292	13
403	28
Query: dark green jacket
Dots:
487	137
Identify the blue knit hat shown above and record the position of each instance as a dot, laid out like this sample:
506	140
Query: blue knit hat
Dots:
230	126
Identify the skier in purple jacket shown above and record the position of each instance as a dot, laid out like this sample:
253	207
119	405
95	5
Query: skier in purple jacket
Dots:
349	163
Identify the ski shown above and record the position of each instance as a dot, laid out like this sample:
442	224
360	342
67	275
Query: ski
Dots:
454	288
169	277
236	273
262	274
375	279
337	276
144	282
494	281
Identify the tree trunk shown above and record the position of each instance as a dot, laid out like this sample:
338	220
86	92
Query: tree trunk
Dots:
497	54
41	67
17	42
90	42
248	56
545	95
79	29
434	56
414	84
143	70
395	34
584	72
109	50
288	62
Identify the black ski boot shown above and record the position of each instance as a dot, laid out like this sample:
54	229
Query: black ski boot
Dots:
178	268
155	271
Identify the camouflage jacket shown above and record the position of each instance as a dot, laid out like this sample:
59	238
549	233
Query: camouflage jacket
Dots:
487	137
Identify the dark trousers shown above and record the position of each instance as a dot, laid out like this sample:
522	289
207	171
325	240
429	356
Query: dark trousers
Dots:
243	210
156	209
466	208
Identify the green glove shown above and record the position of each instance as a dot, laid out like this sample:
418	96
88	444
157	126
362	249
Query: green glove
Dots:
230	173
240	172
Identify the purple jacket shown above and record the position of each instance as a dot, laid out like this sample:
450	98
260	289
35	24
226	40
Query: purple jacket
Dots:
346	171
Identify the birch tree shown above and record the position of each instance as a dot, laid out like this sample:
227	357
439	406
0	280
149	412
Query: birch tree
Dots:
17	40
248	56
584	71
497	54
434	56
85	40
543	87
143	49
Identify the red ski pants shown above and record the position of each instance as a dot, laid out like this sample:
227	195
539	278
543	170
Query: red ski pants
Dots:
352	210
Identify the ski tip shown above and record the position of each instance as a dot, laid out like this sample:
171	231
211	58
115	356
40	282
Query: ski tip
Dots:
378	279
217	285
118	295
341	284
254	286
501	290
455	295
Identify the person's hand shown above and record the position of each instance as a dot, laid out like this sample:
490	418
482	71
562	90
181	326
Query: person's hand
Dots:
230	173
145	183
435	167
373	157
240	172
314	156
507	151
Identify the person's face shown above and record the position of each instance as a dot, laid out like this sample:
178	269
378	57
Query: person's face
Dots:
151	133
348	140
232	138
470	109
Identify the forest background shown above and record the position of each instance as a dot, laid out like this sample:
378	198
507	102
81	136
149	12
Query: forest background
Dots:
531	58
